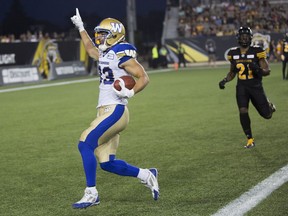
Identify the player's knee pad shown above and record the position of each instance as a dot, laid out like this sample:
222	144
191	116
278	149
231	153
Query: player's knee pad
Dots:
243	110
82	147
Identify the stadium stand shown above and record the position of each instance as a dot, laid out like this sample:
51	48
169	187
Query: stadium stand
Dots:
222	18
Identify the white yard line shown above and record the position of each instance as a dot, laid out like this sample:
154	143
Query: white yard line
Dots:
36	86
46	85
255	195
64	83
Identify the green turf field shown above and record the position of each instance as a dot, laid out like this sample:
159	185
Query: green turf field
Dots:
182	123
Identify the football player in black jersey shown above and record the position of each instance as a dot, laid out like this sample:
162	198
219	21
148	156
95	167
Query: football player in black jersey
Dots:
284	56
249	64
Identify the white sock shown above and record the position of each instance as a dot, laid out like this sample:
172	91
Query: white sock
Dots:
92	189
143	174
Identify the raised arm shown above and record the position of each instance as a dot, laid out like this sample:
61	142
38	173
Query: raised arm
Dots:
91	49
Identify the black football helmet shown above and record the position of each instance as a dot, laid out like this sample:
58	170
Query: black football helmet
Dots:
244	36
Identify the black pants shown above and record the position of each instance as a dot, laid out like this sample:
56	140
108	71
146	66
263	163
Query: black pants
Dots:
245	94
181	59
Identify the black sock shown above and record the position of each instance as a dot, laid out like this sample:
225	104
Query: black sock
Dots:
246	124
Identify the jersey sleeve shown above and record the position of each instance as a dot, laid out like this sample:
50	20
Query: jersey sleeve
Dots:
260	53
231	53
124	52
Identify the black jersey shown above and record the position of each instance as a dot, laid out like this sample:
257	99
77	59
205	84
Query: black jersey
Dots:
241	62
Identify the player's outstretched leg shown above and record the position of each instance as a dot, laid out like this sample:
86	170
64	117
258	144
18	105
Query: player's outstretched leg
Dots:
90	198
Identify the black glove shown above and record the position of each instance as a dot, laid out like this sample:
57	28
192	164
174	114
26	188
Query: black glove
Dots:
222	83
256	70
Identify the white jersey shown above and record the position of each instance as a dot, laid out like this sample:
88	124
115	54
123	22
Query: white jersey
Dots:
109	71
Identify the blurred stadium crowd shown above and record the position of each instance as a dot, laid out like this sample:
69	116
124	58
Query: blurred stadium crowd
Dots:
205	18
33	37
220	18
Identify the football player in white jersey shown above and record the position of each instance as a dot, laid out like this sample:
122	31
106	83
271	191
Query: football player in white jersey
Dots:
116	58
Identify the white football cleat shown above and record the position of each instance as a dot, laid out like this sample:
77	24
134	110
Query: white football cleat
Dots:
152	183
89	199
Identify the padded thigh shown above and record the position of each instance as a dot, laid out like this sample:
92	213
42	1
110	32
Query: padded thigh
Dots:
110	121
259	100
115	127
103	133
242	96
105	150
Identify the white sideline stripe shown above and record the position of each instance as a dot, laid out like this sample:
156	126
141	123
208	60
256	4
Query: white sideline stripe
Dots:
89	80
47	85
255	195
65	83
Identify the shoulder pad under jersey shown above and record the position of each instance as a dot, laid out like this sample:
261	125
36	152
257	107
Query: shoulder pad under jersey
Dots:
125	49
233	48
259	52
233	51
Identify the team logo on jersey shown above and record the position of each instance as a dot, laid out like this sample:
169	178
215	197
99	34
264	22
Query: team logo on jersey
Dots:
107	109
116	27
110	56
131	53
103	62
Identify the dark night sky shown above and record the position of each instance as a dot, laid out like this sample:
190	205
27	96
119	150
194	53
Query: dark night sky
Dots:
54	16
57	11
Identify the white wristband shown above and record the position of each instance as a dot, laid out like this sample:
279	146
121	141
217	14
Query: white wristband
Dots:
81	28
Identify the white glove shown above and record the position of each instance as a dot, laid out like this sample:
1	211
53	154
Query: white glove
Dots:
77	21
124	92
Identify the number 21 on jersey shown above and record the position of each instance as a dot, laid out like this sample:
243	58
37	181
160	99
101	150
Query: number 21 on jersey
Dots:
241	74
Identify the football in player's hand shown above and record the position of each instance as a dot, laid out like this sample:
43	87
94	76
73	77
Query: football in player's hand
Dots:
128	80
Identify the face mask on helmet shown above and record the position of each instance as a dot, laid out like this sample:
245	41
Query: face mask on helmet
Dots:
100	37
108	33
244	36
